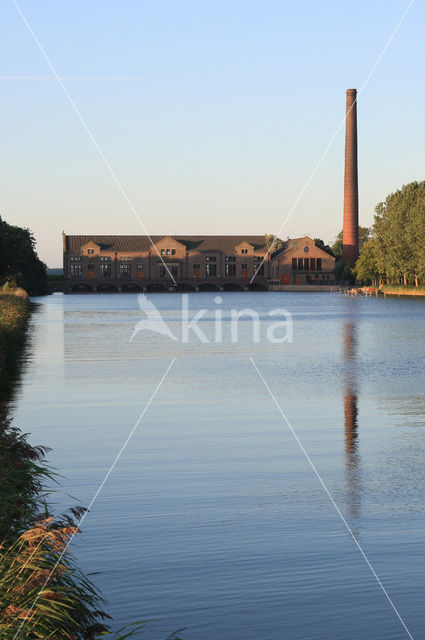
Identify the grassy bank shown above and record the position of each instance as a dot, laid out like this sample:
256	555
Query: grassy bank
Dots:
403	290
14	313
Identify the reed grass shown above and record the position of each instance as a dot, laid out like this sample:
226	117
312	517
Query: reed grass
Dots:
43	593
403	289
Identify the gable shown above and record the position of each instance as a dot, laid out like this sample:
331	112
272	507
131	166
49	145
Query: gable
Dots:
244	247
168	242
297	248
90	248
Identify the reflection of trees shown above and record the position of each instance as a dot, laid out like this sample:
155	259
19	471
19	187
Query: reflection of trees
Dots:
351	418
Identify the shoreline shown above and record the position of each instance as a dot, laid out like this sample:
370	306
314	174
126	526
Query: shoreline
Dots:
408	291
34	539
14	315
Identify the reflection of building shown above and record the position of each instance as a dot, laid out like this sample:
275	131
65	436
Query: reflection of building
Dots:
351	418
132	263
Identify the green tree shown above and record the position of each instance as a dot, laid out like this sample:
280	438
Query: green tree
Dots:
273	243
395	252
325	247
364	234
366	266
19	260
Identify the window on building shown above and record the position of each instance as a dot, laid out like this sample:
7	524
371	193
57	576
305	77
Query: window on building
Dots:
319	264
140	267
211	266
163	252
125	269
294	264
105	267
230	266
162	271
173	270
258	268
168	252
300	264
306	263
196	266
244	267
76	269
313	264
173	252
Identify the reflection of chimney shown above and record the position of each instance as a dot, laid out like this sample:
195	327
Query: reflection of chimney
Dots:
350	233
350	392
350	419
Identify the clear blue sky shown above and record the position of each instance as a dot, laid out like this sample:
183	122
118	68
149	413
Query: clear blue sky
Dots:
212	114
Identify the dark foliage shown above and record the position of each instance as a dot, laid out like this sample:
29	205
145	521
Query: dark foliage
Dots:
19	260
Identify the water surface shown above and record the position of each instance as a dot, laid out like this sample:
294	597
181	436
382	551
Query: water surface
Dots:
213	519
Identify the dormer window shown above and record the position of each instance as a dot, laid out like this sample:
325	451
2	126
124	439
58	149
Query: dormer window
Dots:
173	252
168	252
163	252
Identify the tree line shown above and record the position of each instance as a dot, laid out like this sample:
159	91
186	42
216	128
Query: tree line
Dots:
19	263
395	250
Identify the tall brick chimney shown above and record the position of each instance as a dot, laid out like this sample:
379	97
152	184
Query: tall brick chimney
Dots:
350	234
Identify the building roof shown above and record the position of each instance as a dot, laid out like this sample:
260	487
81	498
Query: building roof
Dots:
292	243
224	244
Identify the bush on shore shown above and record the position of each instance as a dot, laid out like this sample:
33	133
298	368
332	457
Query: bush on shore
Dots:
19	259
14	312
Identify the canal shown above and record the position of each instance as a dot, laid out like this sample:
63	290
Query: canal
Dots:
213	518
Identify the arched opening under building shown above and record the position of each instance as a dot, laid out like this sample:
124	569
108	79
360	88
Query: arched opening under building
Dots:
184	286
208	286
130	287
257	286
232	286
155	287
107	288
82	288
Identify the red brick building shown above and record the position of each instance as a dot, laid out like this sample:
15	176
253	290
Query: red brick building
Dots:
301	262
140	263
